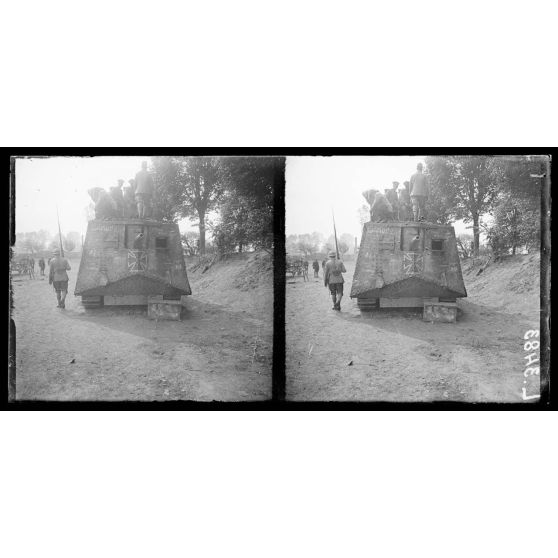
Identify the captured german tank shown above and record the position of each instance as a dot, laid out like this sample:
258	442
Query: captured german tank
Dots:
125	261
408	264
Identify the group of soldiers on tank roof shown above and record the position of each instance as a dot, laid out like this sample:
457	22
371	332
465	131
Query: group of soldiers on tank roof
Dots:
400	204
133	201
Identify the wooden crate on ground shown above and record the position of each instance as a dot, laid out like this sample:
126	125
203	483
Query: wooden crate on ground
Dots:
440	312
161	309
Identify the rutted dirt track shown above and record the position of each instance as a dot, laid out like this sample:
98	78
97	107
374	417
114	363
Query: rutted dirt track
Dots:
115	354
396	356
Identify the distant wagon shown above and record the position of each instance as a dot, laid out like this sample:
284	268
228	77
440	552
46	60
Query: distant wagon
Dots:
297	266
408	264
126	261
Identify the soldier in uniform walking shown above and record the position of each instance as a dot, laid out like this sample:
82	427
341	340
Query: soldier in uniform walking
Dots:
58	277
316	267
333	279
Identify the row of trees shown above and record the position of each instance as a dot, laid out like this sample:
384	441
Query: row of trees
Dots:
316	242
38	241
231	197
506	188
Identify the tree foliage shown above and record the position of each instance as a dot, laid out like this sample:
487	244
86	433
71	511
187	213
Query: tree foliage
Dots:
470	187
462	187
517	211
187	187
239	189
246	209
32	242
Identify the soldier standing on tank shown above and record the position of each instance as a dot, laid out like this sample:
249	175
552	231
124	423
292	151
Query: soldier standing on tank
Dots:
118	198
144	191
129	199
405	209
333	279
381	210
419	194
58	277
105	207
392	198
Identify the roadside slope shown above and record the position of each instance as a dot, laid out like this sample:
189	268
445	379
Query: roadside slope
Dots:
511	285
242	282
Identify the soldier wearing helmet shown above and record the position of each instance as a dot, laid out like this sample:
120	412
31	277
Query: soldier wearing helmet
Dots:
333	279
58	277
419	194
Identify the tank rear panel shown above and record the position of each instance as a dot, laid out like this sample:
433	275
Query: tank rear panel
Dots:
132	257
392	264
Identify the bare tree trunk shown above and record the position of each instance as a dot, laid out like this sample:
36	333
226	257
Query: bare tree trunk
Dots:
202	232
476	233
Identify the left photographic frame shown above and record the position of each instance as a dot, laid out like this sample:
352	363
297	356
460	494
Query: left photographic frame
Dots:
142	278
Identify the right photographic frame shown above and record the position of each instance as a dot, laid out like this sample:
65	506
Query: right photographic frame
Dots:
417	278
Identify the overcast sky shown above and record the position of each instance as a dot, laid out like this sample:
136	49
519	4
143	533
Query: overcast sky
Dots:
316	185
44	183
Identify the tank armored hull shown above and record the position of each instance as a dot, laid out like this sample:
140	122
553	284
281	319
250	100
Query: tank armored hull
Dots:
396	269
125	261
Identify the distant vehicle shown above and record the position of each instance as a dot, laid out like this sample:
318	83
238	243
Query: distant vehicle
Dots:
125	261
20	264
407	264
297	266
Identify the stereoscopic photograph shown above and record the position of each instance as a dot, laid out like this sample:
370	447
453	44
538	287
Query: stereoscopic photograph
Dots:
414	278
143	278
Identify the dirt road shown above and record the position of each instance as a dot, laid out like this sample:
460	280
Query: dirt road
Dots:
115	354
396	356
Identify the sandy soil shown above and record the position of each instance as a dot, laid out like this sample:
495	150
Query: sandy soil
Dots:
215	353
392	355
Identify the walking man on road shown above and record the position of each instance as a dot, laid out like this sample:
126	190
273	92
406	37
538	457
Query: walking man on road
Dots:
333	279
31	267
58	277
316	267
419	194
42	266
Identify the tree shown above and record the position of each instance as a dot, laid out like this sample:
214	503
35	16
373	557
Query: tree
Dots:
306	245
32	241
71	240
343	247
517	211
347	240
463	187
68	243
247	205
188	187
290	243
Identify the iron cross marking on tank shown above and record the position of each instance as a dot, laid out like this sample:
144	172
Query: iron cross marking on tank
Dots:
412	263
137	261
